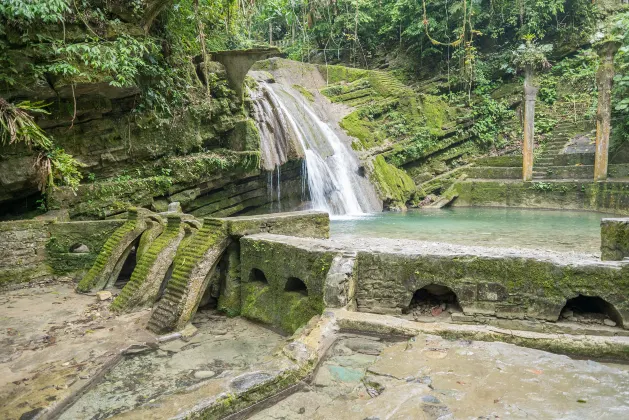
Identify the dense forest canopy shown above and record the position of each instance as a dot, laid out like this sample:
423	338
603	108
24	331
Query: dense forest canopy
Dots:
471	46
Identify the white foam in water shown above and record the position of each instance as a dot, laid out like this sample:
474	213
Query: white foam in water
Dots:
332	169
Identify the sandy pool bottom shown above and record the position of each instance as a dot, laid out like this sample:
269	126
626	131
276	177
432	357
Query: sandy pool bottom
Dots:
428	377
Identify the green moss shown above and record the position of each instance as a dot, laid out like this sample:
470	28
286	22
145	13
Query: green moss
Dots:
161	179
337	74
103	264
269	302
394	185
132	295
305	92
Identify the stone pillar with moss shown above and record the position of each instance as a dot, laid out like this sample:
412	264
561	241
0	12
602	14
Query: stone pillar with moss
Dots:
604	81
530	96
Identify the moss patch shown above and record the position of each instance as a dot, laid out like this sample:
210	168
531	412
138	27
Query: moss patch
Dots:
394	185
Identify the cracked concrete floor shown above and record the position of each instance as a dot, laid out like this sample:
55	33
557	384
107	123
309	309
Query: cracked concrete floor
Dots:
429	377
52	341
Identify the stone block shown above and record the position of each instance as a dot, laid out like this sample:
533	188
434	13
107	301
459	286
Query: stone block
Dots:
614	239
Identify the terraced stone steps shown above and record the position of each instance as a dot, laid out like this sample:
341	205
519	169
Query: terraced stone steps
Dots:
143	287
562	133
118	243
192	266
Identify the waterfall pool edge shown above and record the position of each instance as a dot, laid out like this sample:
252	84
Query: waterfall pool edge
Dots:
543	229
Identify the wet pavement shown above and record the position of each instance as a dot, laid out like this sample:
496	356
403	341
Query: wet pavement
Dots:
220	348
53	341
428	377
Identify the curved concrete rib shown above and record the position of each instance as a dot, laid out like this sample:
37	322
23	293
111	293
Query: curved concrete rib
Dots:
118	244
192	271
143	287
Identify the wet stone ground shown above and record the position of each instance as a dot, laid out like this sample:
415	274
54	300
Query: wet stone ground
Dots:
53	341
428	377
220	347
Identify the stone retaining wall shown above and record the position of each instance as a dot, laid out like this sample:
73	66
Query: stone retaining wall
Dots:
384	275
610	196
34	250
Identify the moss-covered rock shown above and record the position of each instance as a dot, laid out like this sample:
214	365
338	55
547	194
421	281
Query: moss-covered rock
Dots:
393	185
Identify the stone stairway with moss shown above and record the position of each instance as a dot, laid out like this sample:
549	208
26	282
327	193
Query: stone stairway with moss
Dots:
192	265
144	285
545	163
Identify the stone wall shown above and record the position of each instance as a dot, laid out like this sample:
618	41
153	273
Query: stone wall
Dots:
270	272
35	250
502	286
614	239
610	196
381	276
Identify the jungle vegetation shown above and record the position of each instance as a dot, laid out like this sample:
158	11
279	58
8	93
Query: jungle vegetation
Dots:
469	47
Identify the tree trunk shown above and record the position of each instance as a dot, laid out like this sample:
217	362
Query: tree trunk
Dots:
604	81
530	95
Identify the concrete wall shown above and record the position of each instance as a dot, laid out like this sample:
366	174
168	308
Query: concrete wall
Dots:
384	277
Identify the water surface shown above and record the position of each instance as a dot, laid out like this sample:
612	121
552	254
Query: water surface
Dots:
558	230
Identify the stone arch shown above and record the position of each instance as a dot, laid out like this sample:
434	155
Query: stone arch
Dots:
124	267
151	272
167	277
257	275
592	308
432	296
119	243
296	285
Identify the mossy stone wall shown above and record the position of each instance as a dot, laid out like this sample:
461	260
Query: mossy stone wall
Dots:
610	196
269	302
33	250
509	287
614	239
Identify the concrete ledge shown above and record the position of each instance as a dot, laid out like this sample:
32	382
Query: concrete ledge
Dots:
612	348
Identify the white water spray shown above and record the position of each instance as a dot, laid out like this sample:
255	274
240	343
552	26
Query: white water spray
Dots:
332	169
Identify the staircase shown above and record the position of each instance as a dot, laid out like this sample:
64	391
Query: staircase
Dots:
562	133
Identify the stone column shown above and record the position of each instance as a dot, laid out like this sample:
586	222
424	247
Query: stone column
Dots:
604	82
530	96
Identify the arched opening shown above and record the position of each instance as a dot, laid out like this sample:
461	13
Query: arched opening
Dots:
167	276
293	284
257	276
433	300
127	267
79	248
591	310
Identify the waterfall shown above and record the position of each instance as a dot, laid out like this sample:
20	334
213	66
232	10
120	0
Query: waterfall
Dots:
290	127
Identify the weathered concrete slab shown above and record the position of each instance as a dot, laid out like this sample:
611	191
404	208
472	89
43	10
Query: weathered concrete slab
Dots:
238	62
305	224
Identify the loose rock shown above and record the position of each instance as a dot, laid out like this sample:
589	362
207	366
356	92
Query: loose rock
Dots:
103	295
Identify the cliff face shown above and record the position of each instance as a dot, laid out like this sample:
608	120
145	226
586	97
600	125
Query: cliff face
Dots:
144	134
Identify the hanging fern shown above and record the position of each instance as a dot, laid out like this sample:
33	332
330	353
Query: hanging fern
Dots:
17	125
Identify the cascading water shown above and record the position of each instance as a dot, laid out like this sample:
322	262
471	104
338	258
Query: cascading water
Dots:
332	170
